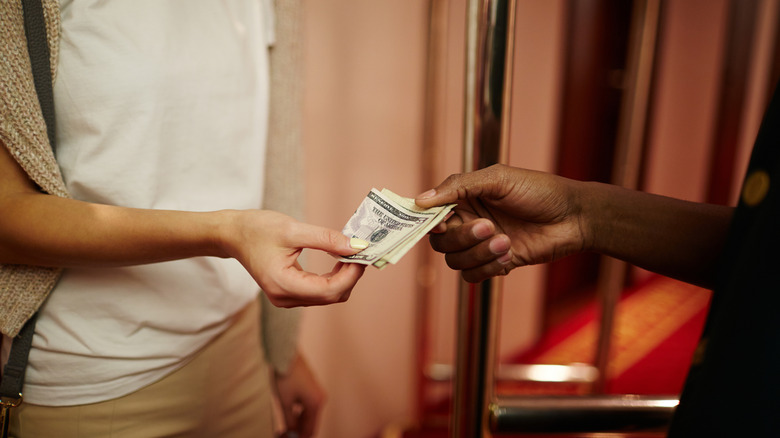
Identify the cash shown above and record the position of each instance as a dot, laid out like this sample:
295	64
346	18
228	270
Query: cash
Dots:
392	225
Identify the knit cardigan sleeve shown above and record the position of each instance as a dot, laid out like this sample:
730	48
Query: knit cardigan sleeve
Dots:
23	131
284	162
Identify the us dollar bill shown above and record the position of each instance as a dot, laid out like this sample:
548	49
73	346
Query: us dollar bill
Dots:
392	225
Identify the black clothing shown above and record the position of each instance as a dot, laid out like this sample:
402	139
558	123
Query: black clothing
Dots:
734	390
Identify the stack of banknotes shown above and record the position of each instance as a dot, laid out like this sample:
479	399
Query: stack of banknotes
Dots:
392	225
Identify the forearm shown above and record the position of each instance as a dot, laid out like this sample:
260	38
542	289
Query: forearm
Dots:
672	237
45	230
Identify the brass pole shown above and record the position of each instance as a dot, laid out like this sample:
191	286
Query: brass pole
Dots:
426	275
486	138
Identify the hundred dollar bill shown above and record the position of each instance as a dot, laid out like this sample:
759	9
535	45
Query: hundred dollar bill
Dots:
392	225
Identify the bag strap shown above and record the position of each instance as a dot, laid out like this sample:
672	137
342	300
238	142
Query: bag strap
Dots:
13	372
38	50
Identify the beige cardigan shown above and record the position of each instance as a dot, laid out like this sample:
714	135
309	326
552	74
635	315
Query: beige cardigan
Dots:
23	289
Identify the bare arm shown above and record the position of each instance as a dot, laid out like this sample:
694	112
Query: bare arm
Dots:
676	238
44	230
509	217
40	229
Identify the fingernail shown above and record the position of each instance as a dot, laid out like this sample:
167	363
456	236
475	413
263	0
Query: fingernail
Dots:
504	259
426	195
356	243
482	231
498	246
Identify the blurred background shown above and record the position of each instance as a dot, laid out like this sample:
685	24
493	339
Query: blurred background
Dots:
383	102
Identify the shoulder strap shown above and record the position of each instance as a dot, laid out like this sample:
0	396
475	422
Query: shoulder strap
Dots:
13	372
38	50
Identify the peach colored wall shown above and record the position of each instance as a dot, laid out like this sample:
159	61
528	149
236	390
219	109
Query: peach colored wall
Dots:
363	128
363	116
364	96
759	87
688	76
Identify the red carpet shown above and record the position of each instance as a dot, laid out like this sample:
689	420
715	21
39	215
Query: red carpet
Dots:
656	330
657	327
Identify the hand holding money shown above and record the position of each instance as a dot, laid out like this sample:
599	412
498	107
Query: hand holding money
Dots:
392	225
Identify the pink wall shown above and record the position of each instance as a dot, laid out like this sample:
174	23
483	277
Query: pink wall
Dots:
688	77
363	127
759	87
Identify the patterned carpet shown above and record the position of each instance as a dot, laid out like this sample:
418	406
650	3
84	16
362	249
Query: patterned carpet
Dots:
657	327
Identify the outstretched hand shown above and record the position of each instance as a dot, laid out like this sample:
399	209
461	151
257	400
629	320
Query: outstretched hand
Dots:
268	244
505	218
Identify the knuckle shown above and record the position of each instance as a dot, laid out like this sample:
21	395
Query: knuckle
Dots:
437	243
333	239
452	261
470	277
453	179
331	297
275	299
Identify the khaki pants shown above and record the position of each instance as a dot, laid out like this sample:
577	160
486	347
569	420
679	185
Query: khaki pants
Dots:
223	392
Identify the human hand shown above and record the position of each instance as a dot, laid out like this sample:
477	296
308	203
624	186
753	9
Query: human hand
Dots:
300	397
506	217
268	244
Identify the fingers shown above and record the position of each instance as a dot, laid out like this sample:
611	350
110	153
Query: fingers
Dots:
459	236
481	254
442	226
471	244
486	259
474	248
301	417
291	413
307	420
296	287
497	267
301	399
292	286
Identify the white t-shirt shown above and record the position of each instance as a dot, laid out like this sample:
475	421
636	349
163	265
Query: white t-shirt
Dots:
160	105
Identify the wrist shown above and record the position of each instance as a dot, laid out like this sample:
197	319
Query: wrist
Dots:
227	233
590	206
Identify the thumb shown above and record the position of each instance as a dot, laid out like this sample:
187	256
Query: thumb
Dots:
330	241
486	183
456	187
444	193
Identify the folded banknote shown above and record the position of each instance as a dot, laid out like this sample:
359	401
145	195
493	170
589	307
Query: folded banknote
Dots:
392	225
